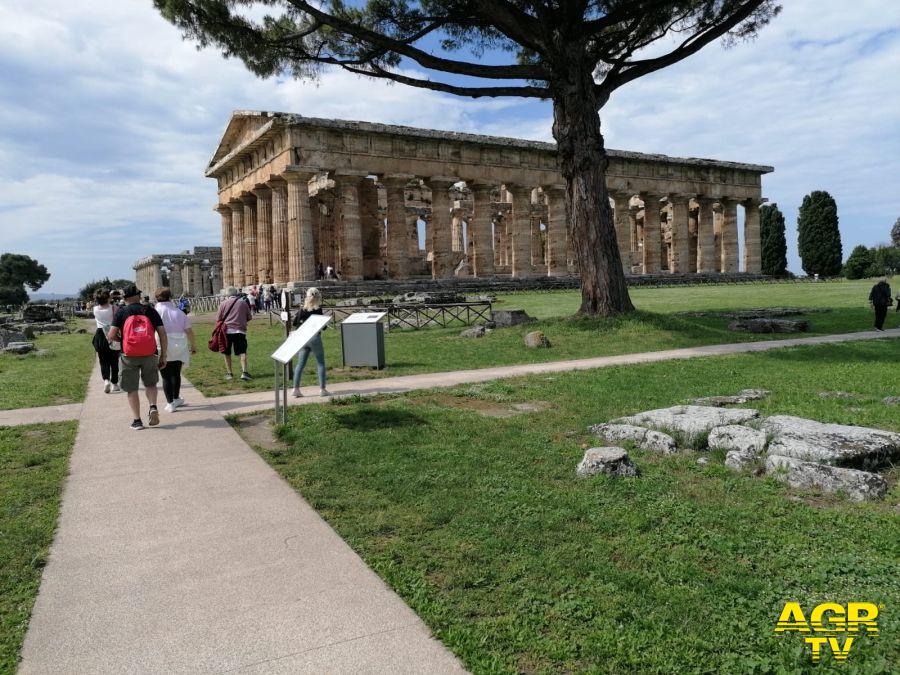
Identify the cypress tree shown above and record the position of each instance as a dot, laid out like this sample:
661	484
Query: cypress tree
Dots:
774	243
819	237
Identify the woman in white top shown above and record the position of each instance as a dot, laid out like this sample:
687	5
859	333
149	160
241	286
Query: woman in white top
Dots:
181	346
107	352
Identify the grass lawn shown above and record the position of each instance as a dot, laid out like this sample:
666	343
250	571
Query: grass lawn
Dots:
59	377
33	465
475	516
656	326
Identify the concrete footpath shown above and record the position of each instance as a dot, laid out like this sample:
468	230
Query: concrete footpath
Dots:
250	402
180	550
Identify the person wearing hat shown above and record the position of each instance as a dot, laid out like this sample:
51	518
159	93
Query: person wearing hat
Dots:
137	327
235	313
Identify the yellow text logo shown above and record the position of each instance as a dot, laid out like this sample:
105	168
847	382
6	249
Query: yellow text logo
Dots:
827	623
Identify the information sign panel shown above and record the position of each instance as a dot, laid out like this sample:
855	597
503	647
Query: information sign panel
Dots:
300	337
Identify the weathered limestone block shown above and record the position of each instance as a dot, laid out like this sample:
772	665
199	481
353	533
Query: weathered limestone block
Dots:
9	336
834	444
18	348
857	485
606	460
891	400
733	437
743	396
504	318
645	439
740	460
769	326
536	339
40	313
474	332
690	420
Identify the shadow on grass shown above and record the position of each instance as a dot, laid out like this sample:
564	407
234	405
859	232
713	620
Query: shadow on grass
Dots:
656	321
371	418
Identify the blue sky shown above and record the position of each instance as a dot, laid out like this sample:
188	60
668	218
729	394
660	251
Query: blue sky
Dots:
109	119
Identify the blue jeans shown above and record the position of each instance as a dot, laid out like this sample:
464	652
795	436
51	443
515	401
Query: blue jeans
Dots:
314	346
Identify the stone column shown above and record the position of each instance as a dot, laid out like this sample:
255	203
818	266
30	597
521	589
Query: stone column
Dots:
301	246
263	234
250	248
456	231
440	227
280	267
197	279
692	238
351	263
729	236
398	238
520	265
556	230
215	273
175	283
537	243
651	252
706	237
237	243
752	242
623	227
681	254
371	227
481	234
412	221
225	213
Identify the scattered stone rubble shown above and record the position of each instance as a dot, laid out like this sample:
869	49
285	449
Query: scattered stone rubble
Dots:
763	313
743	396
474	332
607	460
769	325
833	458
505	318
536	340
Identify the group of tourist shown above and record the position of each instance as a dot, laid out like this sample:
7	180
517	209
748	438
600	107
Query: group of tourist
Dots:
139	343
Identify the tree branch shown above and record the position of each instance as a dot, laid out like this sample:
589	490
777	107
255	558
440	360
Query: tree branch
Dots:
424	59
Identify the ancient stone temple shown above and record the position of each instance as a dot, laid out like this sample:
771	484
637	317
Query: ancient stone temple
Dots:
381	201
197	273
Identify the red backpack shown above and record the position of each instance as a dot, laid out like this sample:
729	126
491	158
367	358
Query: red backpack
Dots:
138	336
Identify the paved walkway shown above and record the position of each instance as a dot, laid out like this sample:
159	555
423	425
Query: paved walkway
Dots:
180	550
250	402
243	403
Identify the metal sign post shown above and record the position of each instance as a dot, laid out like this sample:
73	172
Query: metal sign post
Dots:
283	370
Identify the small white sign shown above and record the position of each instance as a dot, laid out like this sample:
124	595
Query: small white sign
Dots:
284	316
300	337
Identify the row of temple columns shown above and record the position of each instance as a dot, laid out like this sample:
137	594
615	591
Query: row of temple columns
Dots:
685	234
282	232
189	277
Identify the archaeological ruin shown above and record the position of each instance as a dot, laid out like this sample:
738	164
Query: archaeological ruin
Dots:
298	192
196	274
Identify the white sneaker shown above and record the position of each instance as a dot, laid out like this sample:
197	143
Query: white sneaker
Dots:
296	392
178	402
116	388
324	392
169	408
107	386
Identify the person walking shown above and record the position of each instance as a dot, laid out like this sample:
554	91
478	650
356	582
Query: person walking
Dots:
880	299
107	352
267	298
135	325
181	345
235	313
312	304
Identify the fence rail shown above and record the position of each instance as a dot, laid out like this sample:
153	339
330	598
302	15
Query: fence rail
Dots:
421	316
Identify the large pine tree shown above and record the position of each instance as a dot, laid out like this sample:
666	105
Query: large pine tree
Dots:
819	237
572	53
774	243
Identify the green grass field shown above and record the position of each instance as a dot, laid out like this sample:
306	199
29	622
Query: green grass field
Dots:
33	465
53	379
473	513
656	326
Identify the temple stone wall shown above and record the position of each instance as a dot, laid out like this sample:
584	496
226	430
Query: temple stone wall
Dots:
194	273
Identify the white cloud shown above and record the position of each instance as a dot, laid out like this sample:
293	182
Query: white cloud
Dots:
109	119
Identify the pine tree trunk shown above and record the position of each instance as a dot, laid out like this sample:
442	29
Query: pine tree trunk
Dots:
583	162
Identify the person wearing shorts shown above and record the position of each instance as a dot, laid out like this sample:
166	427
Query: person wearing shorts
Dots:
235	313
134	370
